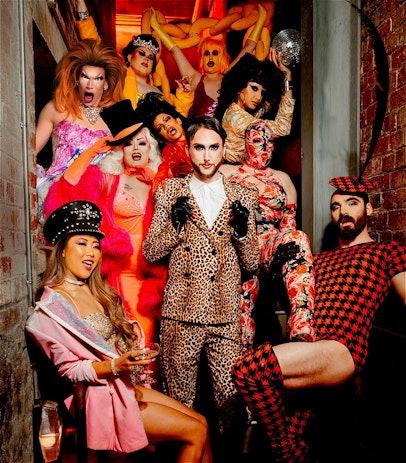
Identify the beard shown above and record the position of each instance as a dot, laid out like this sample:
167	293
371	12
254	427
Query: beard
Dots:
204	174
349	233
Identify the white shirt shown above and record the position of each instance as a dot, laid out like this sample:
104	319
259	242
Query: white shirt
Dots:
210	197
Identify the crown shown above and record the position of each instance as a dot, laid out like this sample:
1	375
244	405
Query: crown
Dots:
138	42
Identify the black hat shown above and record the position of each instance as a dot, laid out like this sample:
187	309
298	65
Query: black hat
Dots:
122	121
74	218
351	184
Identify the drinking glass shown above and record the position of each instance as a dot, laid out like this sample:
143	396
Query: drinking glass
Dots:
147	352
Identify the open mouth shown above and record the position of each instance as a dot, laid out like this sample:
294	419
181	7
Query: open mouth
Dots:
88	264
136	157
88	97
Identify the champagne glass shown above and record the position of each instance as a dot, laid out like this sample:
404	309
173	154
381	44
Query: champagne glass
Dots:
147	352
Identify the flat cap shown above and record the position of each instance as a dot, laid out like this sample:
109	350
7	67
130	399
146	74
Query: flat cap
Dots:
351	184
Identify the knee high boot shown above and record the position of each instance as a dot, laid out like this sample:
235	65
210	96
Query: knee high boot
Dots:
258	378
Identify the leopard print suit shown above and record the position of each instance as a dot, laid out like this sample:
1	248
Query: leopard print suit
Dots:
201	309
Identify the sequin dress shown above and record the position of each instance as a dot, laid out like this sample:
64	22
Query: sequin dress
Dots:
103	326
203	104
68	141
140	283
236	121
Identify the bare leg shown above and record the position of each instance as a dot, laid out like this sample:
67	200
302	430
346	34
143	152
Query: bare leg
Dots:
166	419
261	374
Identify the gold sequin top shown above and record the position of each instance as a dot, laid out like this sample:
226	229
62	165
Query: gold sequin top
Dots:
103	326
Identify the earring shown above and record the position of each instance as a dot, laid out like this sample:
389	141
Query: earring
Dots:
77	83
106	88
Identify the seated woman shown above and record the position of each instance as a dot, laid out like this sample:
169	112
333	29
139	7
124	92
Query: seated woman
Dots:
245	95
79	323
276	227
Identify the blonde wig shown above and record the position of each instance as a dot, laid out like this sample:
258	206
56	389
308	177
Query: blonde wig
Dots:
223	57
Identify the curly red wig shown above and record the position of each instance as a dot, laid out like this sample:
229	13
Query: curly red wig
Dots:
88	52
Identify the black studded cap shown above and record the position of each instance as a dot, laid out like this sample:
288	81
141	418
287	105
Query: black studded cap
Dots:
74	218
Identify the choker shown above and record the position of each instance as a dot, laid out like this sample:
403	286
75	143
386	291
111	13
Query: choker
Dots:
74	282
92	113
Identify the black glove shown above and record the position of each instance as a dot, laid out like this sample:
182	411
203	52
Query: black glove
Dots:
284	253
181	210
273	277
239	219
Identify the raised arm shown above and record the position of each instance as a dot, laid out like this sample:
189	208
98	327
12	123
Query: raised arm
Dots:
184	66
253	38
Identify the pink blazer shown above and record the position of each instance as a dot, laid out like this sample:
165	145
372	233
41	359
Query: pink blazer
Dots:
112	412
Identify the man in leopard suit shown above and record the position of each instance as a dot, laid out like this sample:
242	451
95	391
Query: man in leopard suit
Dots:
206	226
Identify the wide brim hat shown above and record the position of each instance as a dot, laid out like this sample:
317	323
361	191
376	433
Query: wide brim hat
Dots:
122	121
354	185
74	218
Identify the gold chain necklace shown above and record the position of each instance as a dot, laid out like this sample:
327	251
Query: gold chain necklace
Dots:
92	113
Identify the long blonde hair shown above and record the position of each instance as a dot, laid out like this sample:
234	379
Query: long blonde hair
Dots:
104	294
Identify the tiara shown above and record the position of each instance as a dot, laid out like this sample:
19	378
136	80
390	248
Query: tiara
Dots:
138	42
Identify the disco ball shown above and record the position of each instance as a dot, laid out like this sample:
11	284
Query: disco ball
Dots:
289	43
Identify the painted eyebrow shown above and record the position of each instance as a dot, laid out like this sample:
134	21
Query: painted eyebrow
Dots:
201	145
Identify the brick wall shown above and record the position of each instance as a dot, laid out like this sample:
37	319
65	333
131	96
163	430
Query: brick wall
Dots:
387	168
16	387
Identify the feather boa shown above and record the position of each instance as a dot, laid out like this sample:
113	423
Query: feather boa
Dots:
155	275
116	246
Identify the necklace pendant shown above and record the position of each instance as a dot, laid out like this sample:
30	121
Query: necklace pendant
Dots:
92	113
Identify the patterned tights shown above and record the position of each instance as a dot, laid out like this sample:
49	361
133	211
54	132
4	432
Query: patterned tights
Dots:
259	379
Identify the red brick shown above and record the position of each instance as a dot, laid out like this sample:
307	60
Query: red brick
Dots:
5	266
397	179
394	199
396	220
